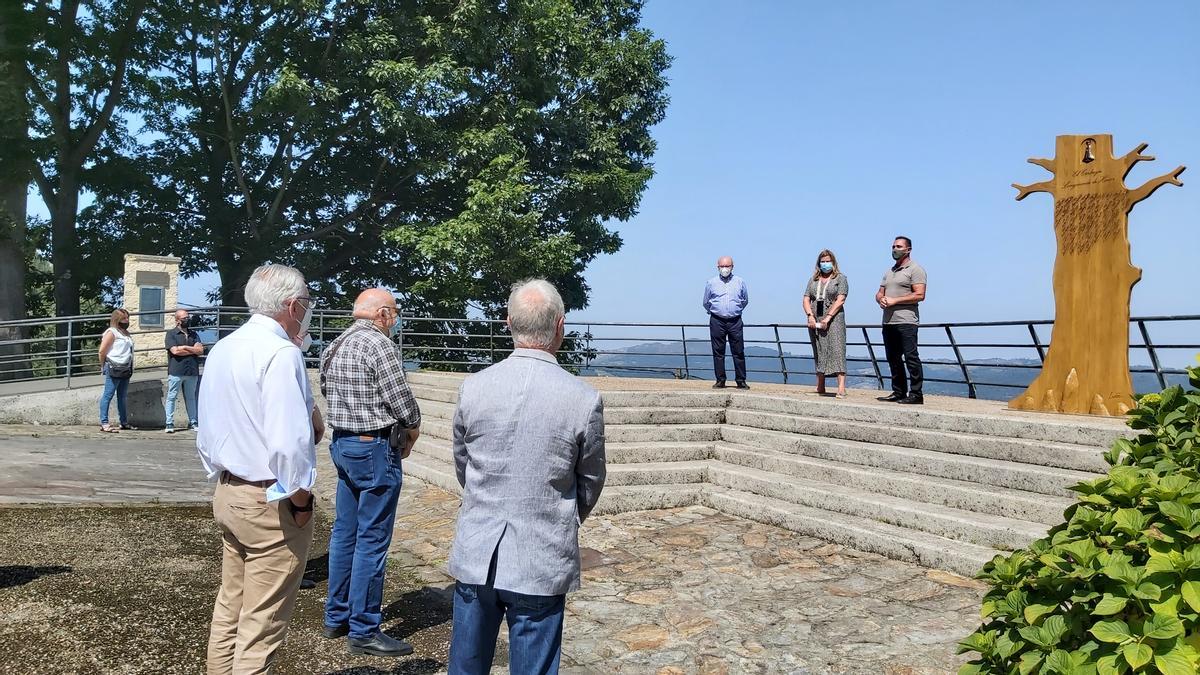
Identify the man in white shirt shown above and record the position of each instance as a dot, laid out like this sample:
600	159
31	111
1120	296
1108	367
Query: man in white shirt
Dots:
258	444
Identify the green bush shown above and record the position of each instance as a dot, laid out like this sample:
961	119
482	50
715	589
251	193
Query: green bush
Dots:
1116	588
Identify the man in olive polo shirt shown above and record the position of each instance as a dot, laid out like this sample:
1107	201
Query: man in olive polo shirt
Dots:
183	369
903	286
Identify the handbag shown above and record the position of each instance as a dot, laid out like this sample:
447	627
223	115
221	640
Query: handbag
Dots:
119	371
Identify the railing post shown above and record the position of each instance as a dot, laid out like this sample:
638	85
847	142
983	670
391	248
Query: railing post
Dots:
687	374
400	335
321	336
1036	342
70	341
871	353
587	352
963	366
1162	380
491	342
779	348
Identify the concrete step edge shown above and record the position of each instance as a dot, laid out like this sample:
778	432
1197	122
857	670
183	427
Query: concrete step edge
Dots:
854	532
944	521
965	495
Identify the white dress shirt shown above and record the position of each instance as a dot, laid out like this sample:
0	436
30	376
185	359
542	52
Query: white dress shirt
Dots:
256	410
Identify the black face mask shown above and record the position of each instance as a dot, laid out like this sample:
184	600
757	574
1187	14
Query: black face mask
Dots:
123	325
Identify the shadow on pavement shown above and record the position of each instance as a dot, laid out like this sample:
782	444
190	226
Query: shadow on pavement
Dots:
19	575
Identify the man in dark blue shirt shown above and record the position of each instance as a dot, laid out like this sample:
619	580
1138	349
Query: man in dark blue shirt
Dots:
183	369
725	296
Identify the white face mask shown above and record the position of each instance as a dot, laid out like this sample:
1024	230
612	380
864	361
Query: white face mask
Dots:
725	271
306	342
307	320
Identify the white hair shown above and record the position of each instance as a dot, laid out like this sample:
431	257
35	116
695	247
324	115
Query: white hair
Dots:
534	308
271	286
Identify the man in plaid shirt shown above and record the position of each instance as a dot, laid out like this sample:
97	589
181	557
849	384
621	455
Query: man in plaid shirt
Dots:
362	377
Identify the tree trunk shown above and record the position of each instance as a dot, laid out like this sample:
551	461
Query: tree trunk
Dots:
15	162
1087	366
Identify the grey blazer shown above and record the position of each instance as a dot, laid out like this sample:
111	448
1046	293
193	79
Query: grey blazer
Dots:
529	451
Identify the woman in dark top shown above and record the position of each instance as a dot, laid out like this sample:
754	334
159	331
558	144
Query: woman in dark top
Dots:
823	300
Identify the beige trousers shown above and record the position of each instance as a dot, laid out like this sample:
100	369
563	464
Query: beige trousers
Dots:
262	561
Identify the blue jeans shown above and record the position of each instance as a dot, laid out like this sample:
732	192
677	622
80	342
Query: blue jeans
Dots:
118	386
534	630
190	383
369	480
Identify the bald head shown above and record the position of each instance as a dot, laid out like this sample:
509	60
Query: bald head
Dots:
369	302
724	261
181	317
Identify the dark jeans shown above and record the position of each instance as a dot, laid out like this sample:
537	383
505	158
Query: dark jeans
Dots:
534	630
900	344
369	479
118	386
718	330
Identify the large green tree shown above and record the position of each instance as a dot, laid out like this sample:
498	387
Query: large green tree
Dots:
446	147
77	76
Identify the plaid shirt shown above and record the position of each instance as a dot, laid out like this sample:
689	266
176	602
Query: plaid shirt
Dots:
364	383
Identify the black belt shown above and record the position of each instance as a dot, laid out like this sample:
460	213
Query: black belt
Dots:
232	479
385	432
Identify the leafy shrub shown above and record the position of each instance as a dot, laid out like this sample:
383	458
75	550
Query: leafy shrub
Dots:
1116	588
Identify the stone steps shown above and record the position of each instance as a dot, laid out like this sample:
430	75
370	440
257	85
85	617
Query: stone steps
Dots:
947	521
941	488
964	495
853	531
973	527
1045	453
1014	475
1091	432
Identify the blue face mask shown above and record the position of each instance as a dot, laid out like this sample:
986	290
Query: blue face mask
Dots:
826	267
394	328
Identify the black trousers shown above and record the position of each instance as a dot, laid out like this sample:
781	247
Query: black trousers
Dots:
900	344
718	331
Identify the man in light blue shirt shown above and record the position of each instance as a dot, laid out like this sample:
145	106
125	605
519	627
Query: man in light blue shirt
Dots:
725	296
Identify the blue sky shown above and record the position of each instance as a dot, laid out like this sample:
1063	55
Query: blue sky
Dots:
796	126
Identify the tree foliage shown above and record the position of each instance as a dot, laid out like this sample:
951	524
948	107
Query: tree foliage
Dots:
444	147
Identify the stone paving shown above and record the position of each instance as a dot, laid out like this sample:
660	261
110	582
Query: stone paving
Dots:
695	591
678	591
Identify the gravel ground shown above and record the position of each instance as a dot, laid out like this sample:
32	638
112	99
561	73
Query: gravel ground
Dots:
130	590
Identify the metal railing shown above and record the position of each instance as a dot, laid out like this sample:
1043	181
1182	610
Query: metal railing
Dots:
990	359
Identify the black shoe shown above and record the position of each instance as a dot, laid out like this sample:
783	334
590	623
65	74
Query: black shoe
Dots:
720	384
306	583
742	385
333	632
890	398
380	644
912	399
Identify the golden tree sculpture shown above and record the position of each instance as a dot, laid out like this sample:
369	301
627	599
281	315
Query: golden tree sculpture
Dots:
1087	365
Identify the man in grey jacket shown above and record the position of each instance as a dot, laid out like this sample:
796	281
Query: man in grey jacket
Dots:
529	451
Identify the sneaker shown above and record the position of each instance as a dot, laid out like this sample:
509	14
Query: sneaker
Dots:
194	427
380	644
169	430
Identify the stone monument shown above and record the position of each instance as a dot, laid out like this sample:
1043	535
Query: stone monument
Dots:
1087	365
152	286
